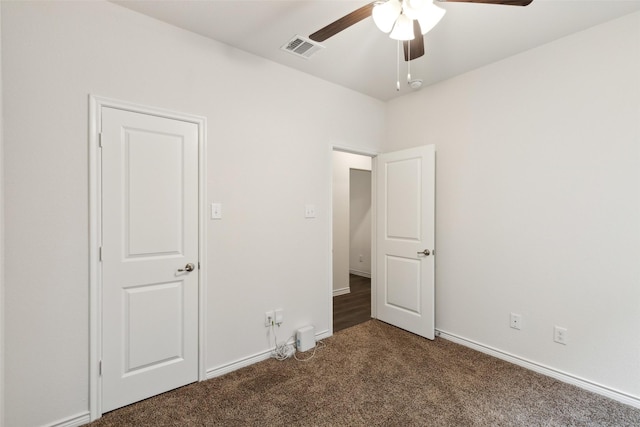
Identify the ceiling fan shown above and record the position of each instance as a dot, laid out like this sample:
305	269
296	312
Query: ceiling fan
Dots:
405	20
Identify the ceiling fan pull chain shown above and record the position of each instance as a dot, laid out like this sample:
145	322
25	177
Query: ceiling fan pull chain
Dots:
398	67
409	61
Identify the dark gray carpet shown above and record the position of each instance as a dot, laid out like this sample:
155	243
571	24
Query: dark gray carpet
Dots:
376	375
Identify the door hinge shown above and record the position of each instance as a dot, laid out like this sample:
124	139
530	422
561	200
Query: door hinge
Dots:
100	368
100	253
100	140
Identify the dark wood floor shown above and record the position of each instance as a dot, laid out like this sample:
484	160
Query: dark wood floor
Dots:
355	307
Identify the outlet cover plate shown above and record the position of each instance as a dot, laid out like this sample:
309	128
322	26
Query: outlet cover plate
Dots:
279	316
560	335
516	321
309	211
268	318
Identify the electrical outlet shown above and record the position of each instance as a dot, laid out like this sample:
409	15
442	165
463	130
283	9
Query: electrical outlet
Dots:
560	335
516	321
269	318
216	211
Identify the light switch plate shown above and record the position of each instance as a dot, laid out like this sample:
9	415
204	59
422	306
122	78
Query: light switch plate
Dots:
309	211
216	211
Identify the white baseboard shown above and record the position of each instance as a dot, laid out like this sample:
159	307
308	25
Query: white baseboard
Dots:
75	421
341	291
544	370
240	363
360	273
322	335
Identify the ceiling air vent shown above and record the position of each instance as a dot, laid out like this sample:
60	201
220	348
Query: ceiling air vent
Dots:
302	47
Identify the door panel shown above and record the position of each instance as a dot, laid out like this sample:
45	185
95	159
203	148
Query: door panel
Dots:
149	342
149	232
404	229
403	284
163	235
403	189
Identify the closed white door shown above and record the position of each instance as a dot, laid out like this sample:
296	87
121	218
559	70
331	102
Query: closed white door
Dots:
405	191
149	255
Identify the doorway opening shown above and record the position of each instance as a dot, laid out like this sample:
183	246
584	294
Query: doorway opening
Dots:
352	237
402	239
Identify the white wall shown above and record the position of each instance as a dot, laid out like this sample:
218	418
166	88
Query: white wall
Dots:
360	222
538	201
342	163
262	166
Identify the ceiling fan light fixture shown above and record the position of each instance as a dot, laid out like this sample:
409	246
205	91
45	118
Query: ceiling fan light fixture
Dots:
403	30
403	20
429	17
385	14
413	8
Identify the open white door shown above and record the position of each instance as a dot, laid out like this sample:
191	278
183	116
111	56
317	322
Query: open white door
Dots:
150	253
405	192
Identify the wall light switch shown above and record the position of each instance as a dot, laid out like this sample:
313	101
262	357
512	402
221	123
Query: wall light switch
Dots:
216	211
309	211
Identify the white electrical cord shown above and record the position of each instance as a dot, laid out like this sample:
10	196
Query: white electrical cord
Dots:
319	344
281	351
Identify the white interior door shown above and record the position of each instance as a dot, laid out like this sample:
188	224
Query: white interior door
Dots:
149	244
405	193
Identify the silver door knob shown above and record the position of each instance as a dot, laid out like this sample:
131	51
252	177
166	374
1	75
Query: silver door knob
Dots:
188	267
425	252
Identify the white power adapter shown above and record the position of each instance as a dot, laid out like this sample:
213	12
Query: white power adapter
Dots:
305	338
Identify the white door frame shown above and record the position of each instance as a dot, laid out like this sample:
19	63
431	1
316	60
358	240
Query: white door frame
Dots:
96	104
373	155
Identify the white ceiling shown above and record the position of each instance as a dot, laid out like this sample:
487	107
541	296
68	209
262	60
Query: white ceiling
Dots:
364	59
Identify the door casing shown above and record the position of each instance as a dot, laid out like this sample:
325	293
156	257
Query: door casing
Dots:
96	104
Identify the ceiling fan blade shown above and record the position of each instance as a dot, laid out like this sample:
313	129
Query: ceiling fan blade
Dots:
342	23
507	2
414	47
